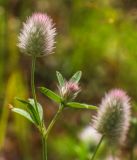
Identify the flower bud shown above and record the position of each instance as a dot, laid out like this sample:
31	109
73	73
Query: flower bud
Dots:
70	90
113	116
37	35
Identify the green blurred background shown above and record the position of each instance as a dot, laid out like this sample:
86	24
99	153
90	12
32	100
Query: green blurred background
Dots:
94	36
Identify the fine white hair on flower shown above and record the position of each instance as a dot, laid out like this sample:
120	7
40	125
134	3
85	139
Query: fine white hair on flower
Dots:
113	117
37	37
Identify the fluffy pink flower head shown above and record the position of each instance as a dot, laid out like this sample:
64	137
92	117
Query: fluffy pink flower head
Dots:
113	117
37	35
70	90
72	87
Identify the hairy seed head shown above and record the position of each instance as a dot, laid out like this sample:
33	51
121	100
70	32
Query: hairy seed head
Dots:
113	117
37	35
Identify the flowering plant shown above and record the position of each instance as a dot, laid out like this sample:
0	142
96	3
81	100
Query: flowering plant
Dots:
37	39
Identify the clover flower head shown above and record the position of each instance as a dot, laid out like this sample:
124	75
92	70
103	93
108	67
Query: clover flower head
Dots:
37	37
72	87
70	90
113	117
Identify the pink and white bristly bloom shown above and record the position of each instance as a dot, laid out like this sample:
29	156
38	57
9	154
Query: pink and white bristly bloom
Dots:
70	90
37	36
113	117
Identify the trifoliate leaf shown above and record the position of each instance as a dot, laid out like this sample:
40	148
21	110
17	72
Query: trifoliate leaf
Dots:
40	109
31	109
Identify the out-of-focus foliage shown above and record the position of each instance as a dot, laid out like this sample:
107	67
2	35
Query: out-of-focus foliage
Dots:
97	37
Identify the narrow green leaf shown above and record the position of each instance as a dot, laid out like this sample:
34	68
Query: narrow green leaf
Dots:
40	109
53	96
23	113
76	77
22	101
81	105
60	78
30	108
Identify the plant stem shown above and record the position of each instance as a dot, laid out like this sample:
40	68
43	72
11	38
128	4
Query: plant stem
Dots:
54	120
94	154
45	136
32	82
44	143
44	148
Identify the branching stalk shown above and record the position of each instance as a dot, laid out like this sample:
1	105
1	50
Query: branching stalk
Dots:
54	120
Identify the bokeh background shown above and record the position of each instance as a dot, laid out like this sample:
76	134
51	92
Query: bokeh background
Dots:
94	36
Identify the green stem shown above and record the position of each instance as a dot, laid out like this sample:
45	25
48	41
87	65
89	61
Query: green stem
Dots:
54	120
44	148
44	143
32	82
94	154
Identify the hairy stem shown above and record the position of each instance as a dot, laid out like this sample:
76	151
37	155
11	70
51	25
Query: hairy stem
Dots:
54	120
94	154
